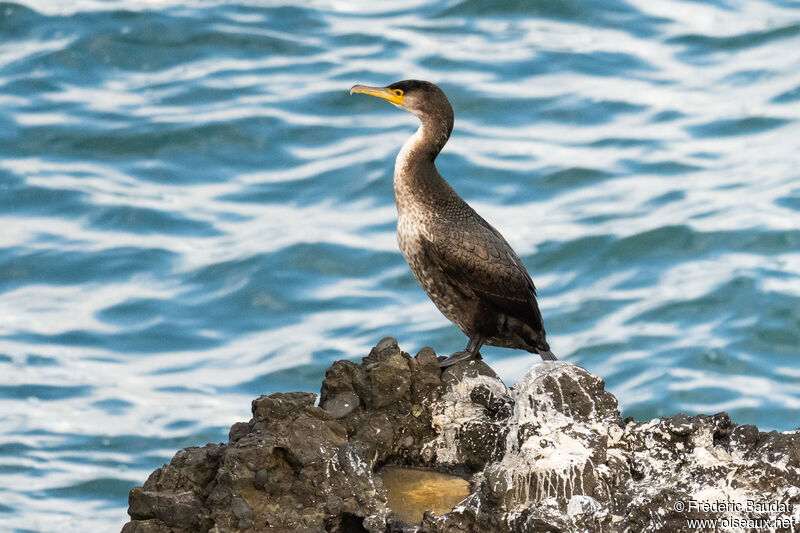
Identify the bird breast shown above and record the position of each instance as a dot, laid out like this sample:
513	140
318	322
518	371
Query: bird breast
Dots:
410	230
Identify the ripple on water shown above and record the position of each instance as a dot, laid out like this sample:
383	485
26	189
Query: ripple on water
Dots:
20	266
705	44
742	126
789	96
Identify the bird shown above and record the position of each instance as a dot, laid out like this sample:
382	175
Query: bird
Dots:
462	262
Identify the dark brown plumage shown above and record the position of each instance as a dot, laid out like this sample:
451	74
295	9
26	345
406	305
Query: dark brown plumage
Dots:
464	265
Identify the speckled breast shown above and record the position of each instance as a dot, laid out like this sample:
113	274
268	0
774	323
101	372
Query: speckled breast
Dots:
457	309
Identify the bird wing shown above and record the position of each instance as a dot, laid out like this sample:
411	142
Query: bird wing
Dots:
476	259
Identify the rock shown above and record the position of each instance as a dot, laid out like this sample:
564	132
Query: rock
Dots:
341	405
550	454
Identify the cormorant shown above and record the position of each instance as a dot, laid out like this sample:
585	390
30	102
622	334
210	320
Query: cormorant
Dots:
464	265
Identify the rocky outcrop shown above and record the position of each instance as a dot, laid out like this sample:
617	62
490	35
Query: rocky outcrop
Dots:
549	454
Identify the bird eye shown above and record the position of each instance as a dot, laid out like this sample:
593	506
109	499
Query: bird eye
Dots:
398	92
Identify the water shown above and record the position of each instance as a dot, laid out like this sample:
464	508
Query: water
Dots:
194	211
411	492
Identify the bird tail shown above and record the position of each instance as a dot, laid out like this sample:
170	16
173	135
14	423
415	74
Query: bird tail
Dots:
547	355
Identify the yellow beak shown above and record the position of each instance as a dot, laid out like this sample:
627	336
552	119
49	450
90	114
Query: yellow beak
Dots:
395	97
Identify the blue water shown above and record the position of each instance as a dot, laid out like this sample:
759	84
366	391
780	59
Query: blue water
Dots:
193	211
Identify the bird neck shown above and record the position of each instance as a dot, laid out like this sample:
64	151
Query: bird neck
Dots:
415	176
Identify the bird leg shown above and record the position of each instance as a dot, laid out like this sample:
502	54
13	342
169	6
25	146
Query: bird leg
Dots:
472	350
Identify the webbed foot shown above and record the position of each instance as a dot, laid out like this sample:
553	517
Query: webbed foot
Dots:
457	357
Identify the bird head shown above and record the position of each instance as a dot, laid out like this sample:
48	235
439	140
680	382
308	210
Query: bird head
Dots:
422	98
